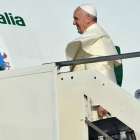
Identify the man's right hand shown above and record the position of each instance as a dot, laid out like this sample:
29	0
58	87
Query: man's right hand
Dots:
101	111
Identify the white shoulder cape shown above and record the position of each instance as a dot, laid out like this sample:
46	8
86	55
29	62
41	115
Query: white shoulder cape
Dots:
88	41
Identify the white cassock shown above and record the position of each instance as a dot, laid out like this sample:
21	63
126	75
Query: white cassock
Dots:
94	42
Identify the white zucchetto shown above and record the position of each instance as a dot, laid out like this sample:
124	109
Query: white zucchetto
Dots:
89	9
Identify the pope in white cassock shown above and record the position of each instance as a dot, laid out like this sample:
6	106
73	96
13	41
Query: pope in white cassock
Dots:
93	42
